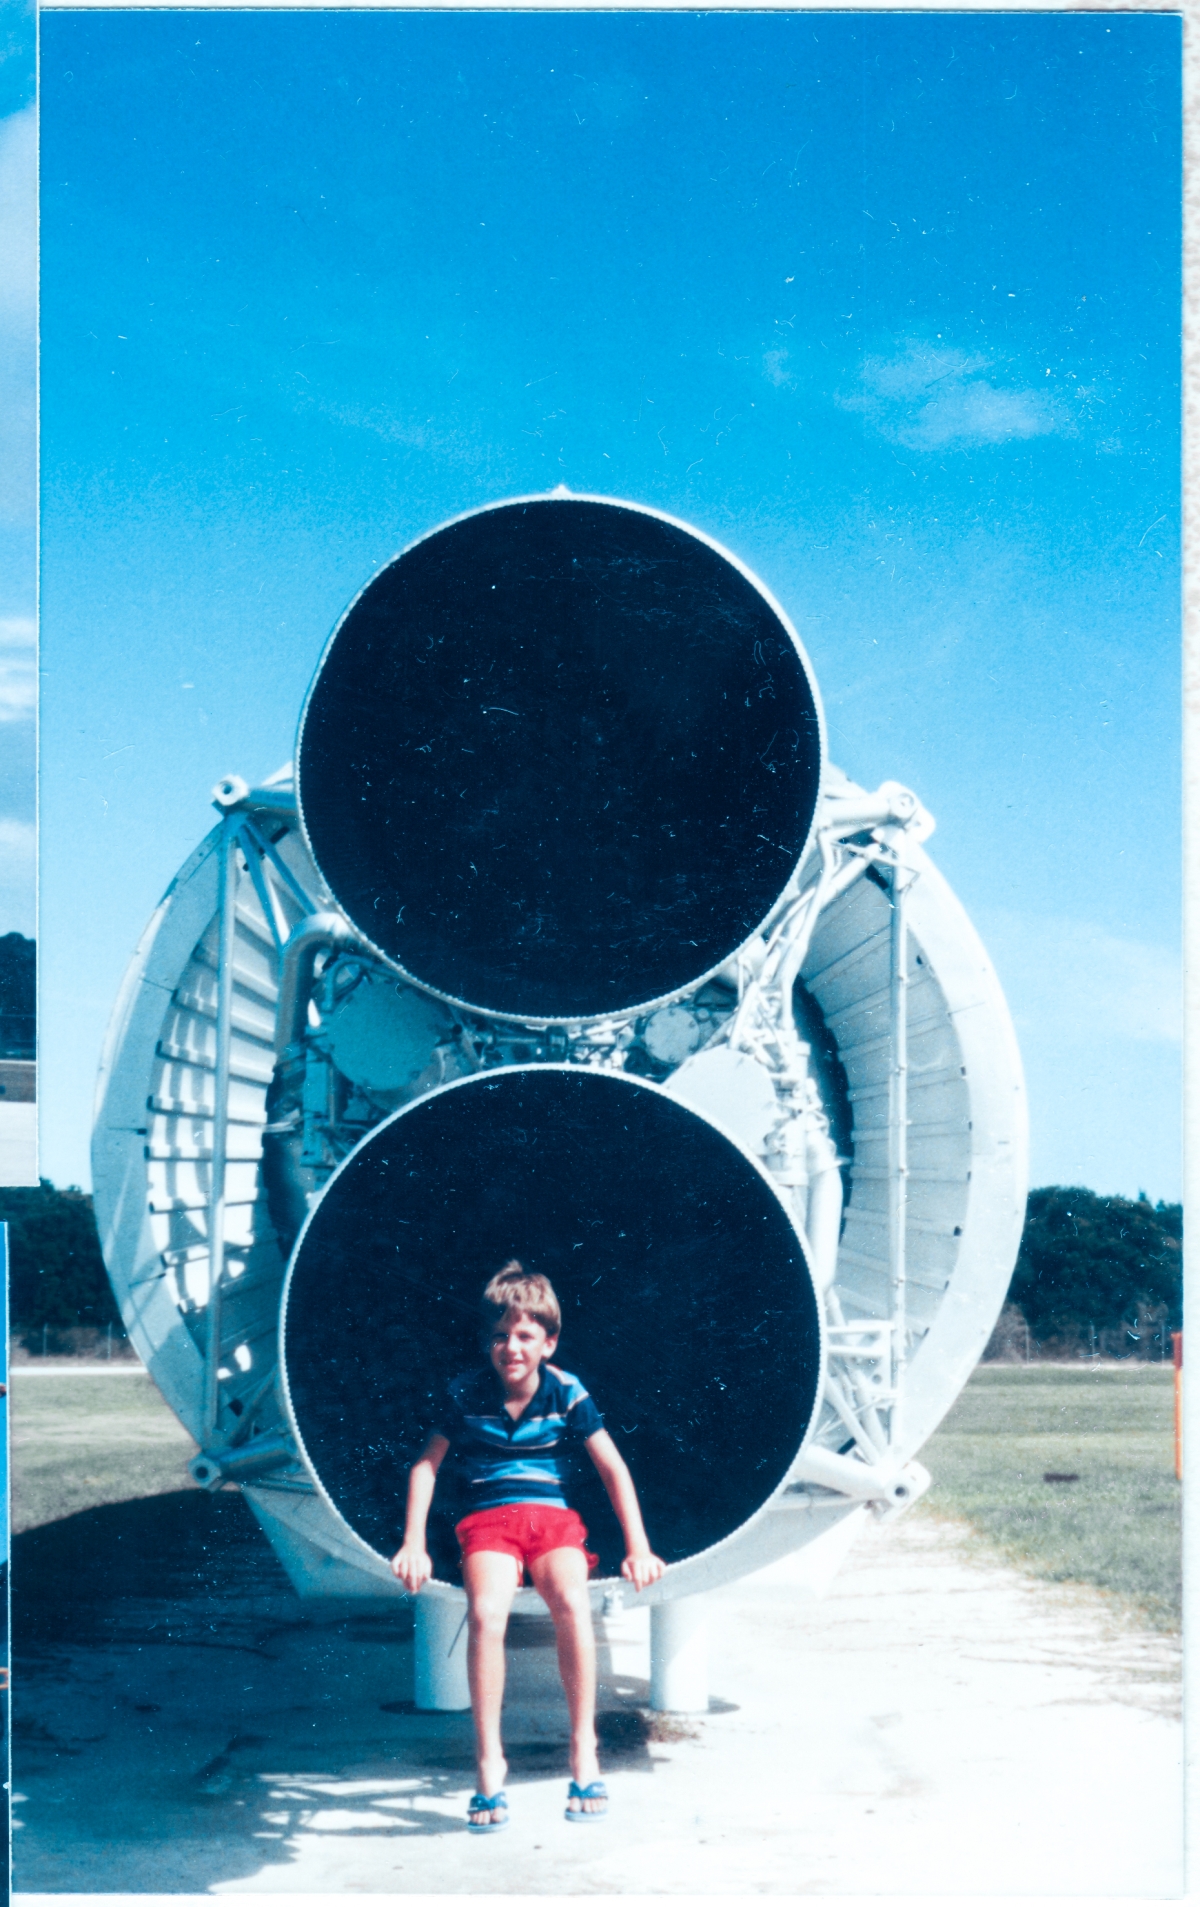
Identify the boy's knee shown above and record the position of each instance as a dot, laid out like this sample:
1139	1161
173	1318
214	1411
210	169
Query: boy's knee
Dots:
568	1603
487	1615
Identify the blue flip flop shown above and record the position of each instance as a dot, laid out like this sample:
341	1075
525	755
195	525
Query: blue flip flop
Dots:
595	1791
483	1804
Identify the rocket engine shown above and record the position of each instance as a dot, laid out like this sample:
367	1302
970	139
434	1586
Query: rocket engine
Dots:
563	940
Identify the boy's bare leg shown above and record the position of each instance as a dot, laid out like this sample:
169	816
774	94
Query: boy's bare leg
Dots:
490	1579
560	1578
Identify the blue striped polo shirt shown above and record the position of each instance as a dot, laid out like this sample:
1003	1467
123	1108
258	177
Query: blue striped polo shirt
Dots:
500	1459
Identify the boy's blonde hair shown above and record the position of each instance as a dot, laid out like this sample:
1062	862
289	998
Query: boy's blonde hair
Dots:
515	1289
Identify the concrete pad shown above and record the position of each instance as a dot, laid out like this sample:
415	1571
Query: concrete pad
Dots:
18	1143
937	1726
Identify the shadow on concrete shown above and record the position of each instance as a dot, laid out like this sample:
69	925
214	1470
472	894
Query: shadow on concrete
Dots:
123	1567
181	1717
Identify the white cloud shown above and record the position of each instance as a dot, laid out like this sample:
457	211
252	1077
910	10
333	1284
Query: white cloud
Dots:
18	668
18	877
1084	983
18	219
1097	1017
18	296
930	396
18	843
438	438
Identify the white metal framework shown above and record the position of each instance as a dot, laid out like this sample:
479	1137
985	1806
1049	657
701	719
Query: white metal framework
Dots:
234	1080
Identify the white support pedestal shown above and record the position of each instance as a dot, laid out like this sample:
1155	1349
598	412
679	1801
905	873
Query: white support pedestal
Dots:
679	1656
440	1654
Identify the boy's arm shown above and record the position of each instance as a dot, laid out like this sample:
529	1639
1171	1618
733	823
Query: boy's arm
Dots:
641	1566
411	1562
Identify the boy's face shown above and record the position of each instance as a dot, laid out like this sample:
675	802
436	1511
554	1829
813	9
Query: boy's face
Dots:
519	1346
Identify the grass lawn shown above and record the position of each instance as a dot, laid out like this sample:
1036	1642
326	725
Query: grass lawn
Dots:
79	1441
1118	1526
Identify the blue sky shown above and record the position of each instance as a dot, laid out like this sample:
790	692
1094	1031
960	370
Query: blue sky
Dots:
888	304
18	456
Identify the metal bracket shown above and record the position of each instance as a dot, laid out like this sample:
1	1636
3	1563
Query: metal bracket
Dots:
855	832
256	1458
864	1377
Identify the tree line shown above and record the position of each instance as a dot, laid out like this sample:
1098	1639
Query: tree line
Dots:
18	997
56	1275
1095	1275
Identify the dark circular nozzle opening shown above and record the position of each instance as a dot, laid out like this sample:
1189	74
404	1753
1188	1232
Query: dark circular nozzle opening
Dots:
560	759
688	1308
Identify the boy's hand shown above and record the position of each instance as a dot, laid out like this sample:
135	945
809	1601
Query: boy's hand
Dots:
643	1569
412	1566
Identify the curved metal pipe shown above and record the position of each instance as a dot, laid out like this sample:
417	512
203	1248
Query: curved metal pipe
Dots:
823	1214
285	1180
890	1487
212	1468
233	795
300	951
891	804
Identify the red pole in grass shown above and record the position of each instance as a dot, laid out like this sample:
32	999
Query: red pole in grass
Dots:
1177	1342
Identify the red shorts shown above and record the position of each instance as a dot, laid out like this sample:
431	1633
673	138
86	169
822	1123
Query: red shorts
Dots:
524	1531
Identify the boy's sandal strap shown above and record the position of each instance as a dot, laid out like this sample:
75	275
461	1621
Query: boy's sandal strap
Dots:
484	1804
595	1791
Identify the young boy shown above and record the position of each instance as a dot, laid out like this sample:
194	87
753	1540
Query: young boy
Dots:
511	1426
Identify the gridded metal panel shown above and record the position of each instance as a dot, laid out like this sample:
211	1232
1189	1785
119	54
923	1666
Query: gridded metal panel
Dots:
153	1148
154	1137
848	973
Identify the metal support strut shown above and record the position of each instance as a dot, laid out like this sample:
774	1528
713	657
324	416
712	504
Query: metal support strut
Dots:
898	1138
227	916
865	1368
